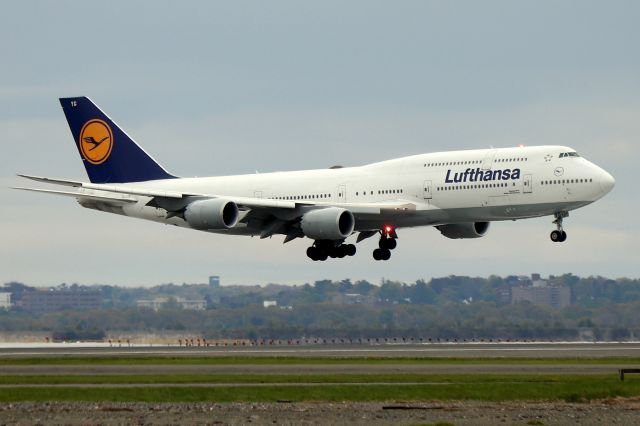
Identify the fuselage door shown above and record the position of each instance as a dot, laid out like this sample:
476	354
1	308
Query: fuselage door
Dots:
257	194
526	184
342	193
487	161
426	190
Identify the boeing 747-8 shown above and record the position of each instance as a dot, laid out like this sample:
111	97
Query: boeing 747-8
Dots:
458	192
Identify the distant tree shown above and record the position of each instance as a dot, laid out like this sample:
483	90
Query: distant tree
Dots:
16	289
363	287
325	286
391	292
345	286
422	293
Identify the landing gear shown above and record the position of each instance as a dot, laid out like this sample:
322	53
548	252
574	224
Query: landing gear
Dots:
381	254
386	244
559	236
314	253
323	249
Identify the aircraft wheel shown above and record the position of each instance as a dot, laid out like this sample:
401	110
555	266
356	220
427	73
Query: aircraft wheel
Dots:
385	254
341	251
377	254
387	243
312	253
383	242
556	236
391	243
351	249
563	237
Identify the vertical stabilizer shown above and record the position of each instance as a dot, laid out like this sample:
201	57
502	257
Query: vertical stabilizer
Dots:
108	153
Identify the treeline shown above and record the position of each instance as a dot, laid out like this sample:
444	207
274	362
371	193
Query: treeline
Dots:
481	320
462	308
587	292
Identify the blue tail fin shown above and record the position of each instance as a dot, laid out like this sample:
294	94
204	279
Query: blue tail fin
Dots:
108	153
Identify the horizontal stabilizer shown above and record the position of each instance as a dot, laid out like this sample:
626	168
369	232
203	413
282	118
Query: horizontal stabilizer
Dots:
52	180
80	196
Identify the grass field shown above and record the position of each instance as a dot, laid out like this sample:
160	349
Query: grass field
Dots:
313	386
282	360
568	389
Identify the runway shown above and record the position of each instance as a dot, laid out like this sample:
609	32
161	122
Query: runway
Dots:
427	350
310	369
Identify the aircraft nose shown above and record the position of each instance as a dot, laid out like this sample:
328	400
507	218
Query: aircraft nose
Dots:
607	182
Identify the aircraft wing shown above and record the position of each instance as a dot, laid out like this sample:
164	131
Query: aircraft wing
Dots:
268	215
243	202
247	202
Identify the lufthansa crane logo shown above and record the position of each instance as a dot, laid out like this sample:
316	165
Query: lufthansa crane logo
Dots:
96	141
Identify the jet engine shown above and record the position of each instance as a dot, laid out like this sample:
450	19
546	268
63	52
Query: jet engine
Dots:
332	223
464	230
211	214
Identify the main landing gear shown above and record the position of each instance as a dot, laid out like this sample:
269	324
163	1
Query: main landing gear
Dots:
559	236
387	243
323	249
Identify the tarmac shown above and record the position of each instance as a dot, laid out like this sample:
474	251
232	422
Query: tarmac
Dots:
491	354
388	350
313	369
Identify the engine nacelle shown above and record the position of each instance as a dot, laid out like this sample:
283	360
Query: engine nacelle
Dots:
332	223
464	230
211	214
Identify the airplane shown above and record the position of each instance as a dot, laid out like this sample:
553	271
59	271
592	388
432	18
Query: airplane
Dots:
458	192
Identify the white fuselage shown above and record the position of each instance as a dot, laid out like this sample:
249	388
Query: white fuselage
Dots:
445	187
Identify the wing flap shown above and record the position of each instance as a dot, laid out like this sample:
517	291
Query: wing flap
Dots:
136	191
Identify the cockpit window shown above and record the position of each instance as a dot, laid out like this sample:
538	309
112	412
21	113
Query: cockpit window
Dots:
569	154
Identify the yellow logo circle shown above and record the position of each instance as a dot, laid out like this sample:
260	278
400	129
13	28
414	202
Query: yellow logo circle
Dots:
96	141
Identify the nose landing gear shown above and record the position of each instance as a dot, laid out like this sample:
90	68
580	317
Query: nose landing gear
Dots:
559	236
387	243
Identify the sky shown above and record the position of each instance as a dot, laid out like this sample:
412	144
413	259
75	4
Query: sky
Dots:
216	88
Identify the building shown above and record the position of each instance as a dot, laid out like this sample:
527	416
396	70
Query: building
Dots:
269	303
214	280
553	296
5	300
352	299
50	300
159	302
504	293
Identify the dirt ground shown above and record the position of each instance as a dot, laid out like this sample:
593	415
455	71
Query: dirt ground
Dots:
614	411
